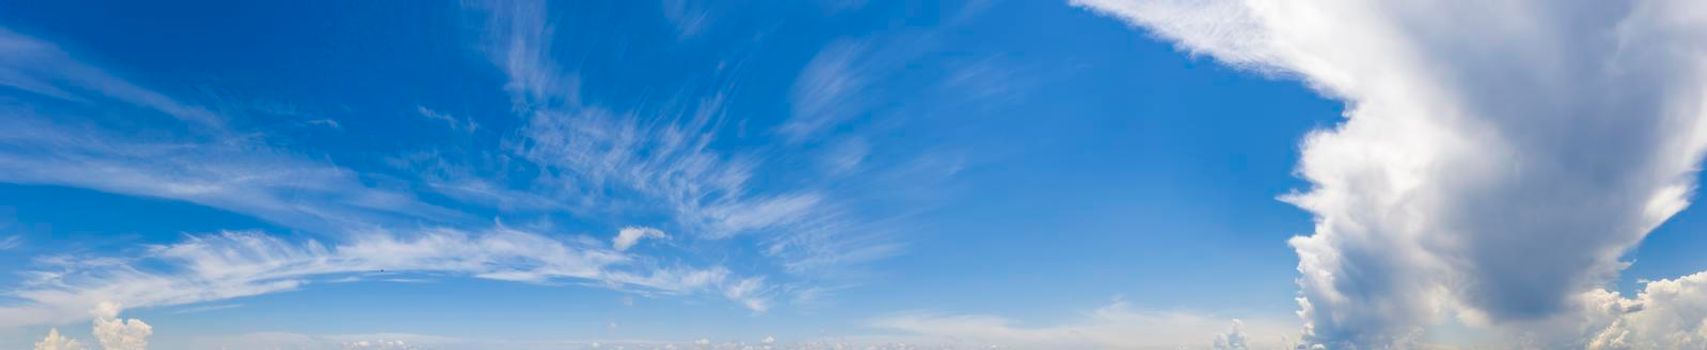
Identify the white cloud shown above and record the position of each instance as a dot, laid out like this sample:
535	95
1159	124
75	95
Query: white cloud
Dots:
234	174
519	42
629	236
241	173
749	292
207	165
326	122
1497	157
1234	339
115	333
846	156
112	332
278	340
384	341
379	345
689	17
54	341
1666	314
457	124
236	264
829	91
659	160
10	242
42	68
1114	326
198	161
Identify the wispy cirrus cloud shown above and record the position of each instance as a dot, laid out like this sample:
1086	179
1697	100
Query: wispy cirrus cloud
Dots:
10	242
234	174
43	68
236	264
197	161
467	125
657	161
219	168
831	89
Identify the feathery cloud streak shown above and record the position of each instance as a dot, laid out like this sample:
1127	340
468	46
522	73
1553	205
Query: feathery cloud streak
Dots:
661	162
237	264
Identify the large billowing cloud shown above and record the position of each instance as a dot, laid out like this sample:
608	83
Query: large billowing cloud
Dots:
1496	159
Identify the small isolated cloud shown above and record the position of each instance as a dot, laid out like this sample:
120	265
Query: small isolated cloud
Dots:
10	242
54	341
749	292
629	236
457	124
326	123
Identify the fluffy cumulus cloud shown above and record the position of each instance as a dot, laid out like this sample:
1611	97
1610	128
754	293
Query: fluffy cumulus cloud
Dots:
54	341
1666	314
115	333
112	332
1496	159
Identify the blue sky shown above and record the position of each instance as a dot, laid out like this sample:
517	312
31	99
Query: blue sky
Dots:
554	175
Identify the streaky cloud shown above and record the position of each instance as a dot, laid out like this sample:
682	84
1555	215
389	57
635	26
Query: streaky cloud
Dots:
658	161
43	68
234	174
228	265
